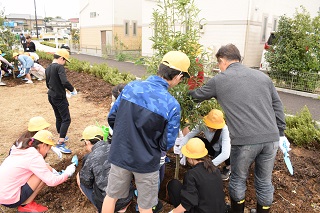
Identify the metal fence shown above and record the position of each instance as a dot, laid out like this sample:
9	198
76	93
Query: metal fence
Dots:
306	82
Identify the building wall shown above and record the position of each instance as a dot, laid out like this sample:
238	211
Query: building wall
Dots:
239	23
111	15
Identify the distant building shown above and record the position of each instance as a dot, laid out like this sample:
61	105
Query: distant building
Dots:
24	22
107	26
56	25
74	23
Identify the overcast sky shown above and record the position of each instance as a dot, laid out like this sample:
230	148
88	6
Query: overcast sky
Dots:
46	8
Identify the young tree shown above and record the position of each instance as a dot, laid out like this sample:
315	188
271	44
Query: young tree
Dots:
176	27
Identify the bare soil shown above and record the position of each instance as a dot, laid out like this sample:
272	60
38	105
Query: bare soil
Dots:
20	102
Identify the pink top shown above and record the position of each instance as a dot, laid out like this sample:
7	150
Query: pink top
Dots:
16	170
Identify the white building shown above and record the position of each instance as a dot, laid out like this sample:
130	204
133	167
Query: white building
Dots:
245	23
107	26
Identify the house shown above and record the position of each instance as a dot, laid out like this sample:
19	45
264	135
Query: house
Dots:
57	25
74	23
24	22
245	23
109	26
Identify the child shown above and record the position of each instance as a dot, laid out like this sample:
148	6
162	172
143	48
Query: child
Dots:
24	173
57	83
202	188
27	63
93	176
35	124
217	140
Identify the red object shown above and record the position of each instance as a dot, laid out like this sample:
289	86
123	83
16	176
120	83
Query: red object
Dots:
196	81
266	46
32	207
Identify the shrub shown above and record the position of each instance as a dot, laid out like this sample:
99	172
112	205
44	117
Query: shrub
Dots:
301	129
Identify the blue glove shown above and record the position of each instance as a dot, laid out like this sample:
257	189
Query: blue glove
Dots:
74	92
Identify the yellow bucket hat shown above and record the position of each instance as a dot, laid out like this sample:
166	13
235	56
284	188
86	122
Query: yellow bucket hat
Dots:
214	119
195	148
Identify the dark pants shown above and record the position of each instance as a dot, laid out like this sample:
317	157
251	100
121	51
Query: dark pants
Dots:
61	111
213	152
174	187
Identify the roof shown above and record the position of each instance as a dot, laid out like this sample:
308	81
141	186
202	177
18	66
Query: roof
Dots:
74	20
22	16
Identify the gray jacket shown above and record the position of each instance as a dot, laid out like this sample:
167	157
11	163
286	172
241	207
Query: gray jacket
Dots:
252	106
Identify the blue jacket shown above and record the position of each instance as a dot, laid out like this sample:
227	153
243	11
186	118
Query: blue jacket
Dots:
145	120
26	61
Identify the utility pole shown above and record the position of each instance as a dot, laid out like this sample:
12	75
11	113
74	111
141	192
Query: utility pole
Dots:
35	13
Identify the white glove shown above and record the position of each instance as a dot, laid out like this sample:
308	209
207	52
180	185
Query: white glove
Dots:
162	160
57	151
70	170
55	172
68	95
177	146
74	92
284	144
183	160
171	211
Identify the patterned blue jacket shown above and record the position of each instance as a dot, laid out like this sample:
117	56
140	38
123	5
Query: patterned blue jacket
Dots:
145	120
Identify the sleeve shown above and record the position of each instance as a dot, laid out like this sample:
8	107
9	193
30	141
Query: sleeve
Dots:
86	174
33	47
278	109
113	112
4	60
40	169
63	79
225	149
190	135
173	126
205	92
23	62
189	192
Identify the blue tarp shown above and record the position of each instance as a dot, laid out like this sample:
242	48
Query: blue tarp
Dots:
8	24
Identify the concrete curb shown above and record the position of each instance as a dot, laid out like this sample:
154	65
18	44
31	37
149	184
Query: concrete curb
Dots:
295	92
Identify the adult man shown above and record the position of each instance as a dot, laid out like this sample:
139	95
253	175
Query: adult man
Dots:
255	118
145	120
57	83
93	176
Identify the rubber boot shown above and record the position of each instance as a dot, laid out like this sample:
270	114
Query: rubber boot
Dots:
237	206
262	209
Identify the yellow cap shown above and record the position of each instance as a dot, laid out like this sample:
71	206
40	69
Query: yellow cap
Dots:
177	60
63	53
14	55
195	148
214	119
45	137
90	132
37	123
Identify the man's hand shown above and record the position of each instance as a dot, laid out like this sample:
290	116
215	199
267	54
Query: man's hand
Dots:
284	144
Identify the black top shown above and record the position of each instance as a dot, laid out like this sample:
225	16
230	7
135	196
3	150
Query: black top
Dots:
202	192
29	47
56	81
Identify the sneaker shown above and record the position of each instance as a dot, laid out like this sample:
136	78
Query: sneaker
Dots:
225	174
32	207
2	83
66	139
20	75
29	82
33	77
40	79
25	79
62	147
6	74
158	207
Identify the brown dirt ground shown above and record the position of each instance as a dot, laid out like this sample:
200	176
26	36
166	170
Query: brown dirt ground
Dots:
20	102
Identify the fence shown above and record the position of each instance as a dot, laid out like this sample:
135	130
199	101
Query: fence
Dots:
306	82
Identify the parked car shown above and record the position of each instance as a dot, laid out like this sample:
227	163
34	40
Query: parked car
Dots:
66	46
264	65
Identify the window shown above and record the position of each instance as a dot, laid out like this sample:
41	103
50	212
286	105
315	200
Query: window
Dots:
93	14
134	28
275	24
126	28
264	28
